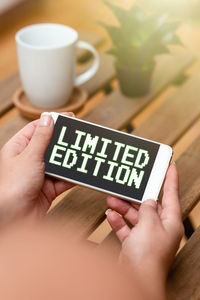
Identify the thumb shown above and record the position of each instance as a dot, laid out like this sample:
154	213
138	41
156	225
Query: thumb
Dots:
148	214
42	136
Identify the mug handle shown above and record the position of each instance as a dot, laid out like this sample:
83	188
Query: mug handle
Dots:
80	79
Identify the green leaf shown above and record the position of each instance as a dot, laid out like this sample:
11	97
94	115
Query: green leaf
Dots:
125	55
162	36
180	79
170	27
120	13
137	13
161	20
176	40
115	33
141	35
148	53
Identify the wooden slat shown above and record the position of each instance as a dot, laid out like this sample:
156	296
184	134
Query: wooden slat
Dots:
172	118
116	110
69	208
9	85
167	125
105	73
188	167
92	202
184	278
9	7
13	13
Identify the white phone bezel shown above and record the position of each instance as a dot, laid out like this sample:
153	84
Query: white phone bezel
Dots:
158	171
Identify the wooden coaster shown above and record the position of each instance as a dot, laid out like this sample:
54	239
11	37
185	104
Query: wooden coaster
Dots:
78	99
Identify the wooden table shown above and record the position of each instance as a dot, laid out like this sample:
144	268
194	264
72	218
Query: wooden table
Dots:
169	114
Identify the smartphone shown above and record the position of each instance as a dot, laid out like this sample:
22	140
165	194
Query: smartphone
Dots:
107	160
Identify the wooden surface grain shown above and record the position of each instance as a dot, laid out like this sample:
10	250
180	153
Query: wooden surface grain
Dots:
189	179
10	9
183	281
8	87
84	206
175	116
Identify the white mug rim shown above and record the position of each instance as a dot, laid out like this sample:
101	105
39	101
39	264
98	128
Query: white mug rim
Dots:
27	28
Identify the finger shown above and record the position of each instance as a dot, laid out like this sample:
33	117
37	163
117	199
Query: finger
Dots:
41	137
20	140
51	189
135	205
123	208
170	200
118	225
62	186
148	214
171	210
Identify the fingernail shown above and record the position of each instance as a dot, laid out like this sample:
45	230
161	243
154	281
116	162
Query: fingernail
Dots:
71	114
174	163
152	203
108	211
45	119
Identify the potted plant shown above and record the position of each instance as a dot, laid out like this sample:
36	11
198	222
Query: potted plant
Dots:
139	37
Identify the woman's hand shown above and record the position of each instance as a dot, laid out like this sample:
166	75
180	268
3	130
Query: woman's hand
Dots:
150	246
24	188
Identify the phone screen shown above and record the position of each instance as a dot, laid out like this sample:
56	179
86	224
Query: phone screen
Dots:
100	157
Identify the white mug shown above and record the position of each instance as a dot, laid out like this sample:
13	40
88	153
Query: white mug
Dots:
47	63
